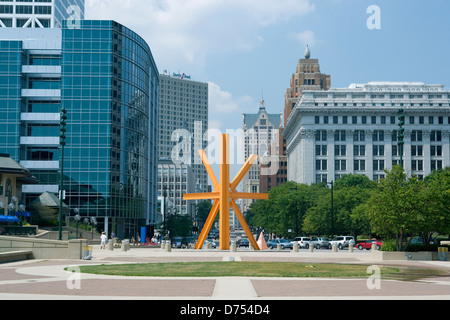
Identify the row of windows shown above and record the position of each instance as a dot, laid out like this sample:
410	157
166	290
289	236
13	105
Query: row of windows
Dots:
380	120
377	135
377	150
9	9
377	165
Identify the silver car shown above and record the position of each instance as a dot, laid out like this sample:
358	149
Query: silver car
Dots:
303	242
320	242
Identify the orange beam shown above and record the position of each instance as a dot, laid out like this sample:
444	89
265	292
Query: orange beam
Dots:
243	195
224	194
244	225
201	196
248	164
209	169
208	224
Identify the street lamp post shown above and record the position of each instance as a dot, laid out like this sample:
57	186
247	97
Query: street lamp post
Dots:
77	219
332	209
62	142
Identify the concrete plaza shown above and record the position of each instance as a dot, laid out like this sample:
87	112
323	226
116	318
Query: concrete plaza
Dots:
47	279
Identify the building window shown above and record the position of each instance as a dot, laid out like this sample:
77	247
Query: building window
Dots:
340	150
378	135
339	135
359	135
359	165
335	120
392	119
321	135
416	135
378	165
321	178
359	150
340	165
436	165
417	165
378	150
317	120
436	151
321	165
417	150
436	136
321	150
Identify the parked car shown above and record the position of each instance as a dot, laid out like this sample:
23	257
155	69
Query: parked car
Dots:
242	243
179	242
368	244
213	244
342	241
303	242
320	242
284	243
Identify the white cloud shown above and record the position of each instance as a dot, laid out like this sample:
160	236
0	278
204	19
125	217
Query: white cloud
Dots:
306	37
184	32
223	102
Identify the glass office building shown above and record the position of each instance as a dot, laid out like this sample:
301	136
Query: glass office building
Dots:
104	75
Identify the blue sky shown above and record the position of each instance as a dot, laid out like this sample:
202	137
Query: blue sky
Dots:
248	49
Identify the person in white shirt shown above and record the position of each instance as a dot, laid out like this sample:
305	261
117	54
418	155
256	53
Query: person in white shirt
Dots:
103	239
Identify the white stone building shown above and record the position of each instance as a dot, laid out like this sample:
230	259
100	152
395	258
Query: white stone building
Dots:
354	130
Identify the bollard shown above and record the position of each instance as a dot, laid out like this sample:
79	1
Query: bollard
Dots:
250	246
442	253
374	246
279	247
209	245
233	246
110	245
311	248
163	244
350	247
127	245
168	246
335	248
295	246
124	245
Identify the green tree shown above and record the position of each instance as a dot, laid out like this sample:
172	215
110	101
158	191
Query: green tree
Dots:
350	191
393	207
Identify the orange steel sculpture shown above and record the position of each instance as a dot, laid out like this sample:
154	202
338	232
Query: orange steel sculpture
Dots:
224	195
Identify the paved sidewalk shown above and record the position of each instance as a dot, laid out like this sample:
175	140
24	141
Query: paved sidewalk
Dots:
47	279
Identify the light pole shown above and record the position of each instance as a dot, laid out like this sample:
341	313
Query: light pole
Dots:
62	142
401	134
332	209
77	219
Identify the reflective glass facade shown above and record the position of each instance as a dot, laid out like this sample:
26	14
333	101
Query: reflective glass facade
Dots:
104	75
10	96
109	87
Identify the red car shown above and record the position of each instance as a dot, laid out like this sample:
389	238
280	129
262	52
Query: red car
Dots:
368	244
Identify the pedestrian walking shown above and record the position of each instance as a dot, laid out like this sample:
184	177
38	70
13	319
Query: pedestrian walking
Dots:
103	239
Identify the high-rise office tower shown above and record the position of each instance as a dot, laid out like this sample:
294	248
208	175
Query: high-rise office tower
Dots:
306	77
183	118
104	75
39	13
261	133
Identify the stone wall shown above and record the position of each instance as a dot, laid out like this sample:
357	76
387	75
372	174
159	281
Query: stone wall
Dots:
44	249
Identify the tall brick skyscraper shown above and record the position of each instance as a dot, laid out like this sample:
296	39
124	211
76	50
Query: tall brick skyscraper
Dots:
306	77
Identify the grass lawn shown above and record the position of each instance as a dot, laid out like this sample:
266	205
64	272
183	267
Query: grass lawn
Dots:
235	269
